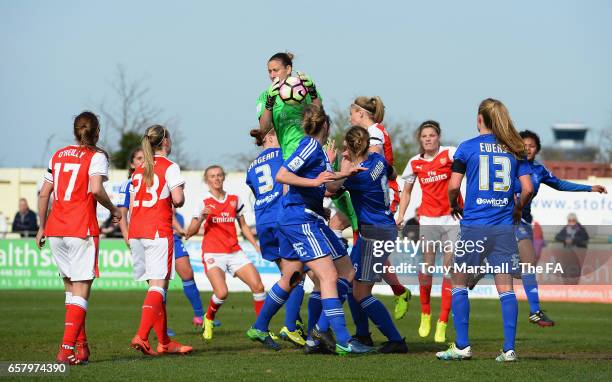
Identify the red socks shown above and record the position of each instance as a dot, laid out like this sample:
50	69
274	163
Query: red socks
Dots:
75	319
161	326
391	279
258	302
151	310
447	298
214	305
425	292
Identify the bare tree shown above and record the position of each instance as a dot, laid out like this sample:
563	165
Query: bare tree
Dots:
131	112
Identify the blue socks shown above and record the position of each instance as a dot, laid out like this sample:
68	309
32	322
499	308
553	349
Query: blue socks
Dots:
274	301
314	310
193	295
293	305
509	307
461	316
380	317
342	286
332	309
360	318
530	284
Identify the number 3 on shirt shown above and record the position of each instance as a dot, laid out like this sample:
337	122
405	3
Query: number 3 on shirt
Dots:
152	191
503	173
264	178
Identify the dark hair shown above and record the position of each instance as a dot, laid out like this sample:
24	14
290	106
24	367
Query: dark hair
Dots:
357	140
314	119
530	134
86	129
425	125
131	160
259	135
285	58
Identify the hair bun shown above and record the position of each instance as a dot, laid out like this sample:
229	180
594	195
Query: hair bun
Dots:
290	55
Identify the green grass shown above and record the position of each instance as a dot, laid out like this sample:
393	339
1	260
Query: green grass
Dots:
31	327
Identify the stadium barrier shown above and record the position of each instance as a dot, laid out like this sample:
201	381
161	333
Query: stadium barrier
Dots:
23	266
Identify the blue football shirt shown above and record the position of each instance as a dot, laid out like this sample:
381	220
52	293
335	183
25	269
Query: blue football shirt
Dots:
260	178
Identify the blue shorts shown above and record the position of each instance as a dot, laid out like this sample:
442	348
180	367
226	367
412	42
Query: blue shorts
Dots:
492	245
179	248
368	256
309	241
268	241
523	231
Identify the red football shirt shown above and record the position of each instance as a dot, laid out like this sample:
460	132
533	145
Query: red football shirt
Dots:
73	212
151	207
380	136
219	227
433	175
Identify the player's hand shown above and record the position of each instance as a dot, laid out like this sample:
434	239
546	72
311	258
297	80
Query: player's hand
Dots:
116	214
40	238
331	150
323	177
399	221
600	189
457	213
307	81
272	92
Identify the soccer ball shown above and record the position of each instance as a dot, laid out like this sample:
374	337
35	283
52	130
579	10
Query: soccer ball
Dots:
292	91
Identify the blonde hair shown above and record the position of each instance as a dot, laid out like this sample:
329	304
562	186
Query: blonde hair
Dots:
152	140
314	119
373	106
357	140
212	167
497	118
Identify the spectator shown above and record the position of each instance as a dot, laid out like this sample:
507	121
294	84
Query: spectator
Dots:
573	234
25	221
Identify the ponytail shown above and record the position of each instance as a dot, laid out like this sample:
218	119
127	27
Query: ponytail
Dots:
374	106
314	119
86	130
151	141
497	118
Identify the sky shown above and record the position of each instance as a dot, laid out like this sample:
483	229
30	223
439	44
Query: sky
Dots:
205	64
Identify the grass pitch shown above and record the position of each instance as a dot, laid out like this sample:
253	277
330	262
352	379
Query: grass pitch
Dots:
579	347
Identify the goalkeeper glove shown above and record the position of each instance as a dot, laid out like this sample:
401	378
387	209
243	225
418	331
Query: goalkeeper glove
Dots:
312	89
272	92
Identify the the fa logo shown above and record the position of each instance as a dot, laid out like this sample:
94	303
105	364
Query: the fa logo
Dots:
299	248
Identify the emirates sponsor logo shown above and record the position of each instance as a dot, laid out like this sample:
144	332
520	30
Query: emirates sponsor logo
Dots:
433	177
224	218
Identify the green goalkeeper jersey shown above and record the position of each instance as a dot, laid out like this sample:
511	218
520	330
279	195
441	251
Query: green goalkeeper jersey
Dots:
287	120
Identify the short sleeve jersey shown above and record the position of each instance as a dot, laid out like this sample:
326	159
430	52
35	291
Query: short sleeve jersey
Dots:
433	175
220	224
151	214
261	176
303	204
370	193
287	120
73	212
491	174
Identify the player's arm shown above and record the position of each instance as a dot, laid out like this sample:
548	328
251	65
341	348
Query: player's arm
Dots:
524	198
286	177
454	190
176	225
563	185
43	205
409	178
99	193
178	196
246	232
123	224
194	226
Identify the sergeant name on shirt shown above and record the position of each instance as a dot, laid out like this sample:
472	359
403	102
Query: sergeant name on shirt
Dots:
267	157
492	148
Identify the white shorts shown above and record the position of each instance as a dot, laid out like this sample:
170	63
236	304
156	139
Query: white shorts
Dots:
439	227
153	258
76	258
227	262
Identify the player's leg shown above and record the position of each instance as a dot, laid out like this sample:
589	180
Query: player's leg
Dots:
190	289
530	284
376	311
425	283
275	299
445	305
249	275
215	273
460	349
509	307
